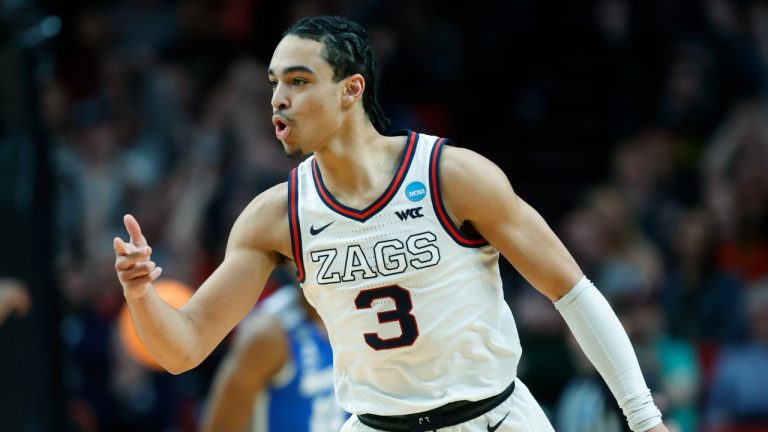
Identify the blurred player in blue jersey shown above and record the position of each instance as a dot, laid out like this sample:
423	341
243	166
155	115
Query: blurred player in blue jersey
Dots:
278	373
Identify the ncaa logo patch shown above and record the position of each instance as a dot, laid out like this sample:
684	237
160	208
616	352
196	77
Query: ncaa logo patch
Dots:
416	191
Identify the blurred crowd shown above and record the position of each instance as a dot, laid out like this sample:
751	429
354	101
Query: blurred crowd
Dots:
638	128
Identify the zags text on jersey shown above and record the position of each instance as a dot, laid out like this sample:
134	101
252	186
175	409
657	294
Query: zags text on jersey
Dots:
390	257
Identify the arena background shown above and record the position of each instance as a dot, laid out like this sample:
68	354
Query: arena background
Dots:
639	129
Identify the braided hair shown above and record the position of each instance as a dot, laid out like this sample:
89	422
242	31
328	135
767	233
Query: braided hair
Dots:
348	51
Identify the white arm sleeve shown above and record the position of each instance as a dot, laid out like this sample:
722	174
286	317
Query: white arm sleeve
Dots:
600	334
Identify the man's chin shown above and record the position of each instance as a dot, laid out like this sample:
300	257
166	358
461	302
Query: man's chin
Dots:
293	152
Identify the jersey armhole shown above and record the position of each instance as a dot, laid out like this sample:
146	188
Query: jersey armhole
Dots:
466	239
294	223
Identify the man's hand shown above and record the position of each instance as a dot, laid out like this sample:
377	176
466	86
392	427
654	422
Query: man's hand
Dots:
13	298
134	269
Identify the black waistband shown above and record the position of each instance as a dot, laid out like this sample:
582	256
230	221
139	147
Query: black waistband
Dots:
447	415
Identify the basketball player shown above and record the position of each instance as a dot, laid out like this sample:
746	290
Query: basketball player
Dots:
396	240
278	374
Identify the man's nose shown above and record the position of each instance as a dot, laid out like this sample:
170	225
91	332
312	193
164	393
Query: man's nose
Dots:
280	98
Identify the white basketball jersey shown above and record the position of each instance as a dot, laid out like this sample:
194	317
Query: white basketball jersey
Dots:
413	305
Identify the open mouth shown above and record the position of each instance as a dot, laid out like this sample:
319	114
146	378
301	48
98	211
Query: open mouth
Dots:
281	127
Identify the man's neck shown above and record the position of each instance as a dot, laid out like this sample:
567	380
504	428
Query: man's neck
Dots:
359	165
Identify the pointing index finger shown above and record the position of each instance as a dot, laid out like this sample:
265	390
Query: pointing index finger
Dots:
132	225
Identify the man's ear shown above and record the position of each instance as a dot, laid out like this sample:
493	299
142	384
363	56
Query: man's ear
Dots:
353	89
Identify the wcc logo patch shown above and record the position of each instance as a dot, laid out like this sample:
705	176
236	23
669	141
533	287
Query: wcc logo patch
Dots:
412	213
416	191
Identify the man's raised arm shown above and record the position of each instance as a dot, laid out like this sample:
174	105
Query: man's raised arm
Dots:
181	339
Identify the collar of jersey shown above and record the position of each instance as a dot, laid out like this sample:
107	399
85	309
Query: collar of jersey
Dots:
363	215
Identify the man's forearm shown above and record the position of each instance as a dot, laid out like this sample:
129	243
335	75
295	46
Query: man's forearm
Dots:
600	334
166	332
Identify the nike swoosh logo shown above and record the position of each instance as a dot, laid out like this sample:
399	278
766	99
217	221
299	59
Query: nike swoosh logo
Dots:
496	426
314	231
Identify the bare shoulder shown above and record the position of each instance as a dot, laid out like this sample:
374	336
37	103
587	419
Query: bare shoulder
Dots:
469	181
263	224
464	164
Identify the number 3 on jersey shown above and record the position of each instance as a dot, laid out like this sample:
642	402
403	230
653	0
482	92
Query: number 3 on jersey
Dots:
400	314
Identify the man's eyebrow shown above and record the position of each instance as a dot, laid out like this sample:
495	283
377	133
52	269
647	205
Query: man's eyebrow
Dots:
291	69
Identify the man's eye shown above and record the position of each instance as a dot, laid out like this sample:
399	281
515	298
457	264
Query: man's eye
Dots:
273	84
298	82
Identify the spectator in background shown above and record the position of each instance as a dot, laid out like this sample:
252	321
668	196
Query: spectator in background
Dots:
688	106
737	190
13	299
631	263
670	363
739	394
654	182
702	303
